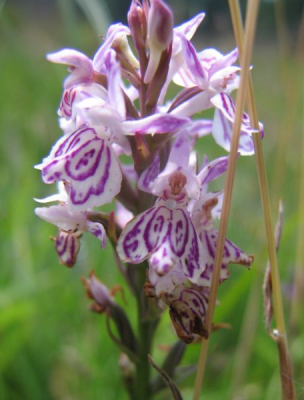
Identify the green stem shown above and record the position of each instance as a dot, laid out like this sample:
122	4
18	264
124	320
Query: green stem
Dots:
145	336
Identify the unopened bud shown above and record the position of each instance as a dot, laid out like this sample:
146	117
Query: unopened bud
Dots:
160	30
121	45
160	25
98	292
137	23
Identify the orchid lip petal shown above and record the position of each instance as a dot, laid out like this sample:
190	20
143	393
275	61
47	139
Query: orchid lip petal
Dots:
67	247
167	236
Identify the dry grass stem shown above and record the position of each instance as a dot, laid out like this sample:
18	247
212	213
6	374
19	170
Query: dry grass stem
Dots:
267	285
285	363
251	18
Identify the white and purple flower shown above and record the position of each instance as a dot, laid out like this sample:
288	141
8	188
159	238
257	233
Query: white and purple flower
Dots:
71	225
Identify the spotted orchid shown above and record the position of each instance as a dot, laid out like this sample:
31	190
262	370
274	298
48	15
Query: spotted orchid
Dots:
126	143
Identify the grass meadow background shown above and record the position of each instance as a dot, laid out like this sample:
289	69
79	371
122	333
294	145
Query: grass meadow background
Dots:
51	345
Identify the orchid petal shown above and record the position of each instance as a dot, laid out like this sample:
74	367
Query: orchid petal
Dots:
193	63
180	150
225	79
67	246
223	125
157	123
80	65
188	306
115	95
194	105
60	216
97	230
225	61
168	236
208	57
189	28
200	127
165	284
105	120
232	254
213	170
114	32
142	235
90	168
122	215
149	175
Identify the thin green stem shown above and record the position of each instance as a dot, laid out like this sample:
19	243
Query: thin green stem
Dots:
144	341
147	323
252	12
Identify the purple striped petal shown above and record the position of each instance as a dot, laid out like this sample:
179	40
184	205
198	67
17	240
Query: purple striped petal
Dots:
200	127
193	63
105	120
142	235
188	306
209	57
232	255
88	164
180	150
223	125
225	61
167	236
71	119
225	80
194	105
97	230
67	246
213	170
157	123
149	175
189	28
115	95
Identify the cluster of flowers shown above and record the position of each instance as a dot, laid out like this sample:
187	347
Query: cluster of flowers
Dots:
117	105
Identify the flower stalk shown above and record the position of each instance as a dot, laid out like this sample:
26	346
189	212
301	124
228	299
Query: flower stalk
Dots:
124	144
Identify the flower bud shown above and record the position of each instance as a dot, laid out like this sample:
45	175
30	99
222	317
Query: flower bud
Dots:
160	25
98	292
137	23
160	30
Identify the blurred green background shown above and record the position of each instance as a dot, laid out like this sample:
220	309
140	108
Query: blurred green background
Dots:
51	345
